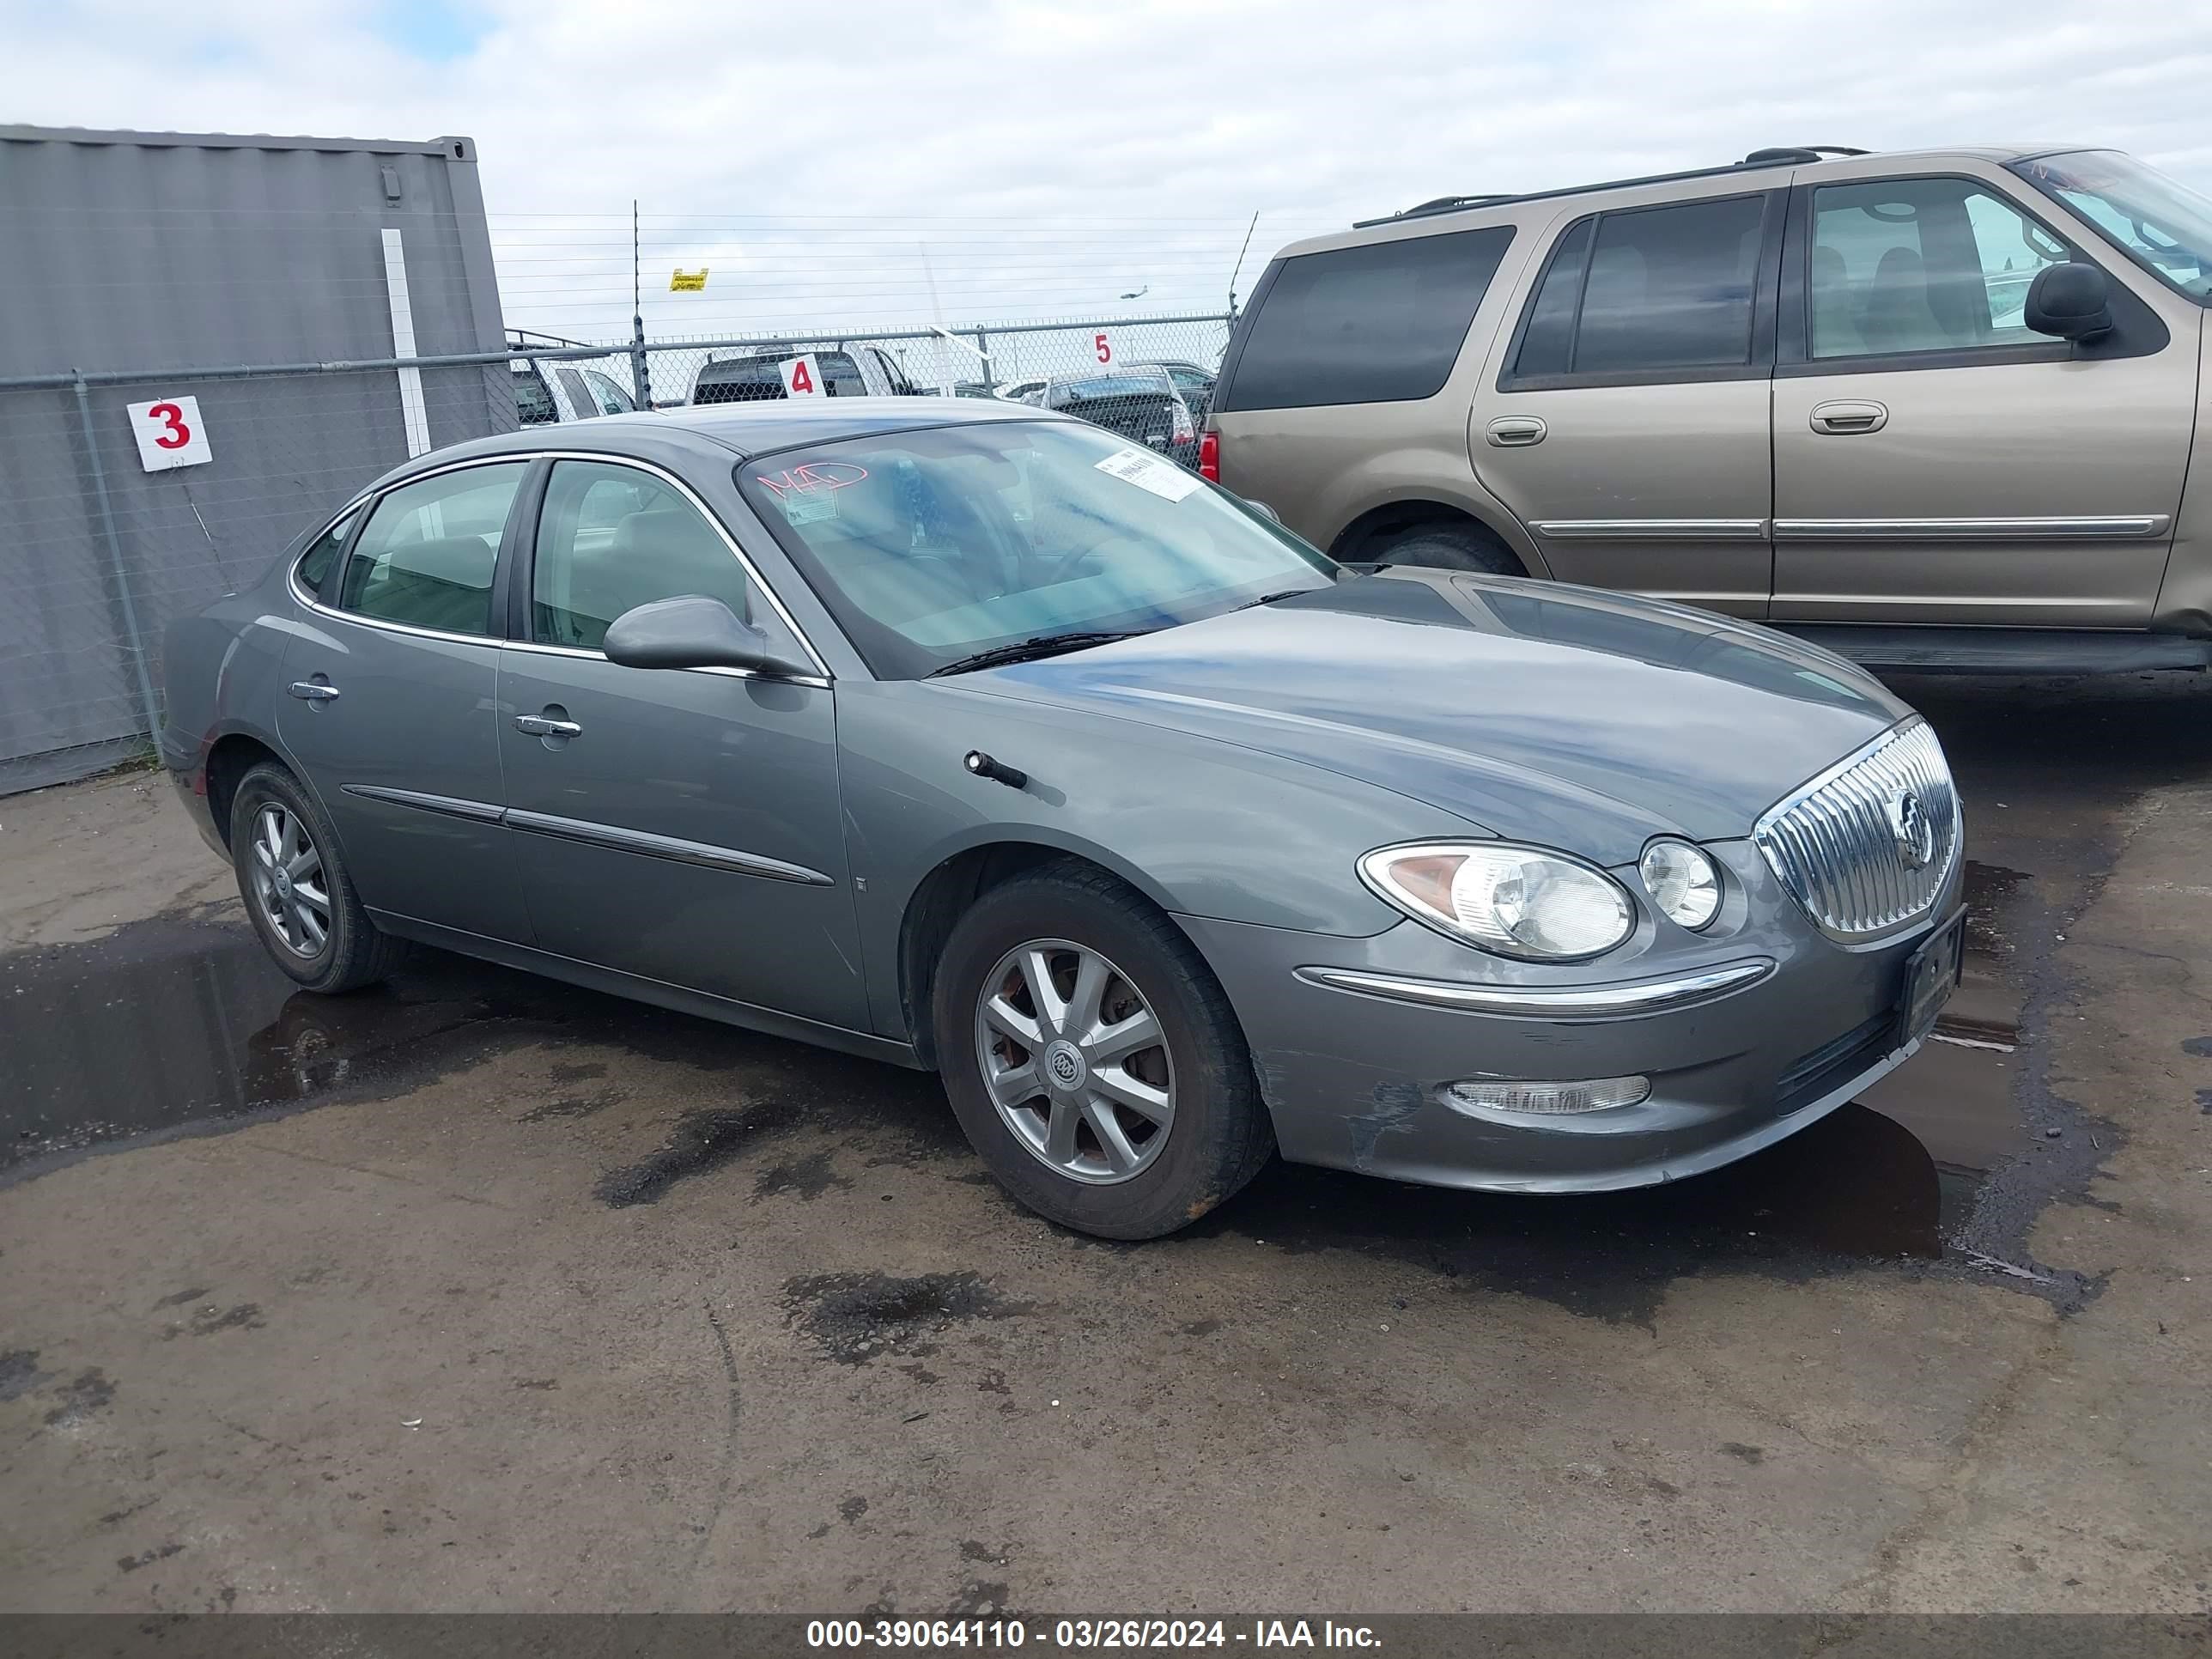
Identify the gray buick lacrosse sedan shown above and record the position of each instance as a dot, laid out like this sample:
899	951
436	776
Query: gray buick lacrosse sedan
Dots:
976	739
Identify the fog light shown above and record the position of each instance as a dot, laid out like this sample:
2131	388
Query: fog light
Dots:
1548	1099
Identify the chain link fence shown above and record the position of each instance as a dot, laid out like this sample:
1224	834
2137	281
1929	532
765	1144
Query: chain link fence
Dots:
99	550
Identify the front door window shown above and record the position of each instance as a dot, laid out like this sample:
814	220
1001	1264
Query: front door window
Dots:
1922	264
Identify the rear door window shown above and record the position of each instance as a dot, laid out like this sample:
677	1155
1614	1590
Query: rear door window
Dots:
1647	290
425	555
1379	323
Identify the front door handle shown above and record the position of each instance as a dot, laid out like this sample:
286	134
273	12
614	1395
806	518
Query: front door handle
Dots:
313	690
539	726
1514	432
1848	415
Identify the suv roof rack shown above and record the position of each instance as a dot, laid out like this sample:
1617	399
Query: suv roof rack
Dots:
1784	156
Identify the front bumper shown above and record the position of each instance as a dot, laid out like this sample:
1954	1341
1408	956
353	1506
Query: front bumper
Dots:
1355	1051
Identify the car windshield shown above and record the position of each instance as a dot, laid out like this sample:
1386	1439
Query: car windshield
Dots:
2164	227
930	547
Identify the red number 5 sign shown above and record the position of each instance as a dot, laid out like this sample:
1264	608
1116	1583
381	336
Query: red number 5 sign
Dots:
169	434
1102	347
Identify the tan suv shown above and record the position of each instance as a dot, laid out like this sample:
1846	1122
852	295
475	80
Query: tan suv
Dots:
1931	407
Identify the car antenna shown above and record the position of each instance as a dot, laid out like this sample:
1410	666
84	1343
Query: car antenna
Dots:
1237	269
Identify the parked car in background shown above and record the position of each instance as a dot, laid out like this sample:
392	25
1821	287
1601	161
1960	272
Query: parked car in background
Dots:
1141	403
974	738
859	371
1025	391
1195	384
547	392
1931	407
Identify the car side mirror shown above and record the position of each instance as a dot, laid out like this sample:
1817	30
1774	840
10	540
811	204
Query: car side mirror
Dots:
2073	302
693	631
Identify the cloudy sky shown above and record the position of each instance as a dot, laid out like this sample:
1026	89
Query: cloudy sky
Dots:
880	161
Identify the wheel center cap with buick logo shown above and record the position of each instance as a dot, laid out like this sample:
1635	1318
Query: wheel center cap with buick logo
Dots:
283	885
1916	835
1064	1062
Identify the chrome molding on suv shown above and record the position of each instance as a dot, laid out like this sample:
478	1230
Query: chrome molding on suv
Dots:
2116	526
1661	530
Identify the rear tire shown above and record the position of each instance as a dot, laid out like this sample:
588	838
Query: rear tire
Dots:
1077	1150
1450	547
297	893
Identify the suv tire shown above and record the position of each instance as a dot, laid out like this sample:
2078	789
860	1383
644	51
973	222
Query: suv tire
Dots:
1449	547
1047	1143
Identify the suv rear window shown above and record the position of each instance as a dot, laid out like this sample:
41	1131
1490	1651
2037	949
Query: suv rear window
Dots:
1379	323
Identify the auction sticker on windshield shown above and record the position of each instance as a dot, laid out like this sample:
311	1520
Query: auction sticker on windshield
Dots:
1163	478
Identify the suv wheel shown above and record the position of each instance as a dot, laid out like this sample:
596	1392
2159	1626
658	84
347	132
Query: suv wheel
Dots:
1092	1058
297	893
1449	547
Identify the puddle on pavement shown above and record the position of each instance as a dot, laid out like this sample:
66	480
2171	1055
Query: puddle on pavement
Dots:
167	1024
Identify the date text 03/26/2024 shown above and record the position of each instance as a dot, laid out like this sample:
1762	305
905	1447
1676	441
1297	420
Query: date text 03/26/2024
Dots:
1007	1634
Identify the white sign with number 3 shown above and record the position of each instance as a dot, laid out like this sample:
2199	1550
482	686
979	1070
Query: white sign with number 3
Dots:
802	376
169	434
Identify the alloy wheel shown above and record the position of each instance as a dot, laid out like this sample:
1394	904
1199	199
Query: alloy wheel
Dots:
288	881
1074	1059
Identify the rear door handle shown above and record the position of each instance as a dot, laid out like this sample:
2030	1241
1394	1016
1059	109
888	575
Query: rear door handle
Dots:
313	690
1514	432
539	726
1847	415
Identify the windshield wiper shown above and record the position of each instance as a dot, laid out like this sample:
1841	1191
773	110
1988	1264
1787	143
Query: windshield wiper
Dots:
1038	645
1269	598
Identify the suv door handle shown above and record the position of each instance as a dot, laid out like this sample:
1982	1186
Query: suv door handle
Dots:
1514	432
313	690
539	726
1847	415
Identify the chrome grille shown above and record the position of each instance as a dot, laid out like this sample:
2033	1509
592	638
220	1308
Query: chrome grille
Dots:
1846	845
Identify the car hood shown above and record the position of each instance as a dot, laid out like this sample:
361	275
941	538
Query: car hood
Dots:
1569	717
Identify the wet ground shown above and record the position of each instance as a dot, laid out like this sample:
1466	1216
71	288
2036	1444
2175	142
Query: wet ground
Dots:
172	1112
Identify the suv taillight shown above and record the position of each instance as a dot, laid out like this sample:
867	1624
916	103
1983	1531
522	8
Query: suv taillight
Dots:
1209	457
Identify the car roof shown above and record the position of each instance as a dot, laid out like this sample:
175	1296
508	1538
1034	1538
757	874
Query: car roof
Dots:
715	432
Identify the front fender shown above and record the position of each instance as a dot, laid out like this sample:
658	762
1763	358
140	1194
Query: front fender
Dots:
1200	827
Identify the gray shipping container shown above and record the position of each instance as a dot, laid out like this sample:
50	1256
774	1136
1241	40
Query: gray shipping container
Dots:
149	254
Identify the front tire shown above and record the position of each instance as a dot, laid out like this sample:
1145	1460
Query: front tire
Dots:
297	893
1093	1059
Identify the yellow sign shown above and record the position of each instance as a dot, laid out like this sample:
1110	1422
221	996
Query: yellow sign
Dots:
687	281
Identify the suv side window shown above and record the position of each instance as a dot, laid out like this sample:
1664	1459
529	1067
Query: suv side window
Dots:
427	554
610	397
1381	323
579	399
534	404
612	538
1644	290
1921	264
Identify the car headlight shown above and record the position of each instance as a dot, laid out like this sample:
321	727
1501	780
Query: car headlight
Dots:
1682	883
1514	901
